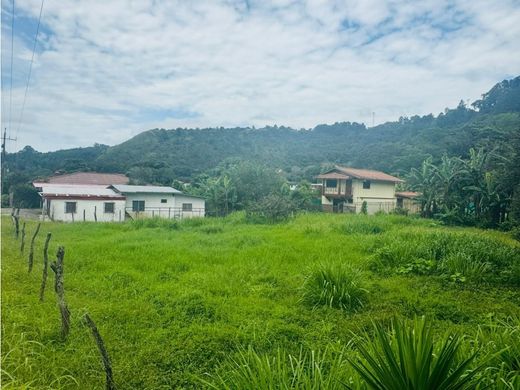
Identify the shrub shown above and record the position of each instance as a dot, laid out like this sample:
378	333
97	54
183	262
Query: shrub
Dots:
271	209
335	286
406	357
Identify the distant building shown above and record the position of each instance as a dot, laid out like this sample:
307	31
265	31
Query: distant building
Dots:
92	178
91	197
407	200
346	189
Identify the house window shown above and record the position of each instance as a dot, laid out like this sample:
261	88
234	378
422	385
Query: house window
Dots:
109	207
138	205
366	185
331	183
70	207
187	207
164	200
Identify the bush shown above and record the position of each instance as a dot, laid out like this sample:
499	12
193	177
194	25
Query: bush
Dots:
271	209
335	286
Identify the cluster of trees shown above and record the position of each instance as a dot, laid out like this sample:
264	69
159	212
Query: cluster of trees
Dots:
261	191
483	189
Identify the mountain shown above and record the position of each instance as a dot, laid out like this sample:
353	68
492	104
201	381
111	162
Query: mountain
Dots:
161	156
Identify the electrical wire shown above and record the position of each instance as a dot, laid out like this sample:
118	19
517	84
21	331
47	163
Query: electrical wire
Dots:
30	70
11	70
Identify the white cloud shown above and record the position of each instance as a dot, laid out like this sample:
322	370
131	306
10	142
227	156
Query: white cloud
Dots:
110	69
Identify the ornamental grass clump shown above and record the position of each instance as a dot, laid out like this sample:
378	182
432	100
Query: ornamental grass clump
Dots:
407	357
335	286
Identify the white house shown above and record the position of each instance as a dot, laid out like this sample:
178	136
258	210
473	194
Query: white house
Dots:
81	202
154	201
346	189
88	197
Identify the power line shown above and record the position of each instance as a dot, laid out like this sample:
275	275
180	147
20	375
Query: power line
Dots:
11	83
30	70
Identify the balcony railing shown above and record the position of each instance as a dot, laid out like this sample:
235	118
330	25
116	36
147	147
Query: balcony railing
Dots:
165	212
347	192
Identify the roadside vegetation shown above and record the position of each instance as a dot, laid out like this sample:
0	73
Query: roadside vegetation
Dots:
319	301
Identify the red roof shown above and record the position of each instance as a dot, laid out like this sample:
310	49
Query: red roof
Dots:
363	174
89	178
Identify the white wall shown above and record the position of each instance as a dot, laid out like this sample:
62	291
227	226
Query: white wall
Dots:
57	210
379	197
198	205
171	209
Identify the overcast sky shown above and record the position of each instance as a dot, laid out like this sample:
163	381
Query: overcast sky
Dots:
106	70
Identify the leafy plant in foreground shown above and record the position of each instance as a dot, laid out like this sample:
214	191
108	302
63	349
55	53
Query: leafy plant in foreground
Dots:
335	286
406	357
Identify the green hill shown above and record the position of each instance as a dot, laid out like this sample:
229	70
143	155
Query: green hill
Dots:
160	155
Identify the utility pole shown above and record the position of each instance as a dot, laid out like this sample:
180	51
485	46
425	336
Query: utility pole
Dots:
4	163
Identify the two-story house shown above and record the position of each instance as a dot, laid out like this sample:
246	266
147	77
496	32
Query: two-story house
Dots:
346	189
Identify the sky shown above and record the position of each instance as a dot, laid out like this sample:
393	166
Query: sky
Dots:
105	71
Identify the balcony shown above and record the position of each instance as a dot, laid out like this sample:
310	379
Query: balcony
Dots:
337	192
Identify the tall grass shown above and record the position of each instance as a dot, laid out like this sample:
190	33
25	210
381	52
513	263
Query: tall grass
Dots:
173	300
309	370
335	286
477	257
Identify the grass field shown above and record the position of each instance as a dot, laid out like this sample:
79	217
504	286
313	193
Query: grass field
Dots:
181	305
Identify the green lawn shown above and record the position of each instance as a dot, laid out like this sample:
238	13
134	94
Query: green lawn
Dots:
173	301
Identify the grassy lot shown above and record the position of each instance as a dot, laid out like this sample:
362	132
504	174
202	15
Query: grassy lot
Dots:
181	303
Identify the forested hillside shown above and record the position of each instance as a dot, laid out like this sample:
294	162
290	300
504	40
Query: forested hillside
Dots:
161	156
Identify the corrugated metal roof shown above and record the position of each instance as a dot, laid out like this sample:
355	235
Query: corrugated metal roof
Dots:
407	194
333	175
89	178
76	190
367	174
144	189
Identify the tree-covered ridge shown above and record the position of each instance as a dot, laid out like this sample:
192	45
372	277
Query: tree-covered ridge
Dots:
160	156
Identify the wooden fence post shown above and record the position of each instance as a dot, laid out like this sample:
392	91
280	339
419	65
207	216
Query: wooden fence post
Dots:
45	266
57	267
22	245
95	213
16	220
84	215
31	251
110	385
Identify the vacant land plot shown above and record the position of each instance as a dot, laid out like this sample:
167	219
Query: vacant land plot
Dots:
184	305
